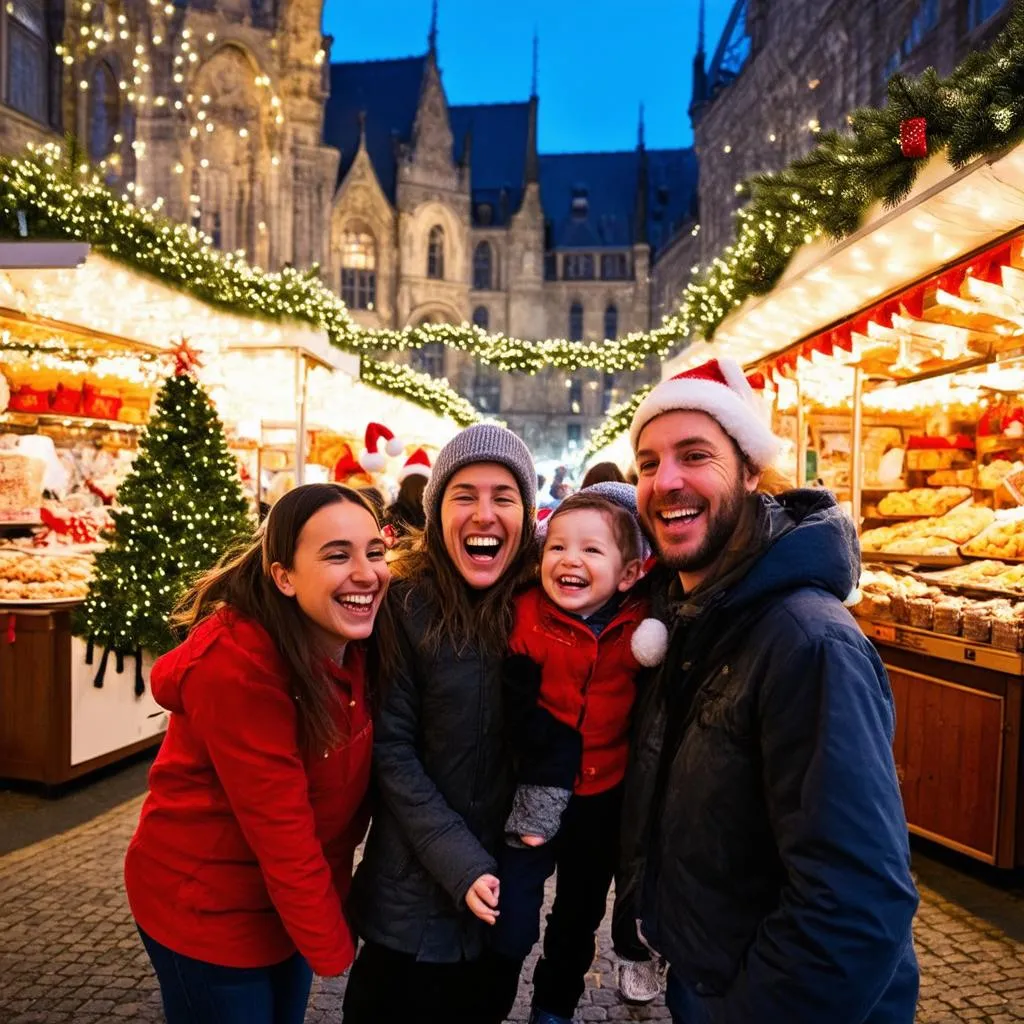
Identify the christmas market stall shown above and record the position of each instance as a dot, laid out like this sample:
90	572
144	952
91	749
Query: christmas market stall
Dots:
128	410
895	364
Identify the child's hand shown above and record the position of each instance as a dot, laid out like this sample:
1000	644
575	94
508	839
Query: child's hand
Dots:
532	840
482	898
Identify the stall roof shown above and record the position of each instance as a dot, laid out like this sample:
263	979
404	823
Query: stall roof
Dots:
949	215
110	303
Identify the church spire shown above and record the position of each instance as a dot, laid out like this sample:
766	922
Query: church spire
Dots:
699	92
640	128
432	37
640	205
533	78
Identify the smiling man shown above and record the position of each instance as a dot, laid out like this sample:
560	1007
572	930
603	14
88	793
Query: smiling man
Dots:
765	845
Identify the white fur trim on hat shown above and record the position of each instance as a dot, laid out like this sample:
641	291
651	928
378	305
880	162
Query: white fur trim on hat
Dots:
650	642
372	462
738	418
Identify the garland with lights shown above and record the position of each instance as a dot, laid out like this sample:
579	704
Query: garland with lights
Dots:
181	507
617	422
978	109
64	198
420	388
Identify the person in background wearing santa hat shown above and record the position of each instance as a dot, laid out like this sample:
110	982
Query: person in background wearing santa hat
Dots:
238	872
406	513
580	640
765	847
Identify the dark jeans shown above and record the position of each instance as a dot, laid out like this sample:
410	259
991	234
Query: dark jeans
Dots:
584	853
388	987
683	1002
195	992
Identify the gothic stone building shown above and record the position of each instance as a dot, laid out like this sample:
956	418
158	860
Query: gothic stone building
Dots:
785	70
231	116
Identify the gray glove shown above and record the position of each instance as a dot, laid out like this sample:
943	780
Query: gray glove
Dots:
536	811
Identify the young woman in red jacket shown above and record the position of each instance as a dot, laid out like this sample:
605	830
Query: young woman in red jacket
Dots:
241	863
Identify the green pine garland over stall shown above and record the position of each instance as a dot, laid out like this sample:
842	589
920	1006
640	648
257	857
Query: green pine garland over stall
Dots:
180	509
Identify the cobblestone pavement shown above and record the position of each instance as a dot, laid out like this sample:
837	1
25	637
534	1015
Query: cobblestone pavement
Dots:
69	952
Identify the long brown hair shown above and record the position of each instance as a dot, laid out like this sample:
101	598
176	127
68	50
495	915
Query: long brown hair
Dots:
242	581
466	618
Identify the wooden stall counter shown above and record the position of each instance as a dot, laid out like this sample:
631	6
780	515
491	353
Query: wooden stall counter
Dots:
958	740
55	724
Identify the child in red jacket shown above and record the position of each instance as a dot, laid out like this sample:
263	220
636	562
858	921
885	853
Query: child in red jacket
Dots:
238	871
579	642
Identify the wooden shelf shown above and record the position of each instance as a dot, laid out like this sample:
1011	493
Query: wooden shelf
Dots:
35	419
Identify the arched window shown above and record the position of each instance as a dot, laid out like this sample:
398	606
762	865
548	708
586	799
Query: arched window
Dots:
27	51
103	112
483	270
358	269
611	321
429	359
481	317
576	321
435	253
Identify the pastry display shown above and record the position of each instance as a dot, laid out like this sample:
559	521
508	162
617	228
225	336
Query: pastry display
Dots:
923	501
952	478
933	536
31	577
992	475
1003	539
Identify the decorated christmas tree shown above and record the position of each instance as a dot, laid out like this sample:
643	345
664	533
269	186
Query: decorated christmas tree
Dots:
179	510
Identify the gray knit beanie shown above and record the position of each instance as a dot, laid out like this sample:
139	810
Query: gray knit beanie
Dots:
482	442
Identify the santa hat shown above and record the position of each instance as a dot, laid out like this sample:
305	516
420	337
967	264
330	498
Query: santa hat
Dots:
345	466
418	464
720	389
371	459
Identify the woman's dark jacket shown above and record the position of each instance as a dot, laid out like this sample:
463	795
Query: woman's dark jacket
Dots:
443	791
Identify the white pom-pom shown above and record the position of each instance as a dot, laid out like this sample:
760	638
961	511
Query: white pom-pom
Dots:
372	462
395	447
853	598
650	642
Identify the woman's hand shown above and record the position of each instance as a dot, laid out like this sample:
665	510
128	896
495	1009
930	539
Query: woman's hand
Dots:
482	898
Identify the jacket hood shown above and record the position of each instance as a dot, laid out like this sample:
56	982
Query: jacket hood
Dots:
811	542
238	640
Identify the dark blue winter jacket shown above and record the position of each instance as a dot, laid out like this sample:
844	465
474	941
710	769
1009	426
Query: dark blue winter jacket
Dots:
765	844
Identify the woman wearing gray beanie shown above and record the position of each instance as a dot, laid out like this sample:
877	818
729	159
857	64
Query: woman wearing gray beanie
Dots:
426	891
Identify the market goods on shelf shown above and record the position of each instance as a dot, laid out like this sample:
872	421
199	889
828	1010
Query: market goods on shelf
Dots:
992	475
933	536
911	602
21	486
923	501
952	478
29	577
1003	539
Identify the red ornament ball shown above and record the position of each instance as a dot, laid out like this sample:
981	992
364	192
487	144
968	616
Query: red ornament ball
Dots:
914	138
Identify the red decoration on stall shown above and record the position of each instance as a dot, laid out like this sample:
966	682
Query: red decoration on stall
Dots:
914	138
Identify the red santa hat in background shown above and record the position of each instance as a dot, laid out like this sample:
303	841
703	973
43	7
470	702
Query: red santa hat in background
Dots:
372	460
347	467
720	389
418	464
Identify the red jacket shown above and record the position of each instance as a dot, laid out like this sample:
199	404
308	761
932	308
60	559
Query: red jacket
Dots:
243	853
587	682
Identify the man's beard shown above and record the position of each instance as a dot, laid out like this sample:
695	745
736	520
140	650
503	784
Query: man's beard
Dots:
720	529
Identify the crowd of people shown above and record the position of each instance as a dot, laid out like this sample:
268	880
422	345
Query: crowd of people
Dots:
652	681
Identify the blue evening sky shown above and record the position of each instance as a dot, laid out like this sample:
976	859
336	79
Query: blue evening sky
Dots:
599	59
